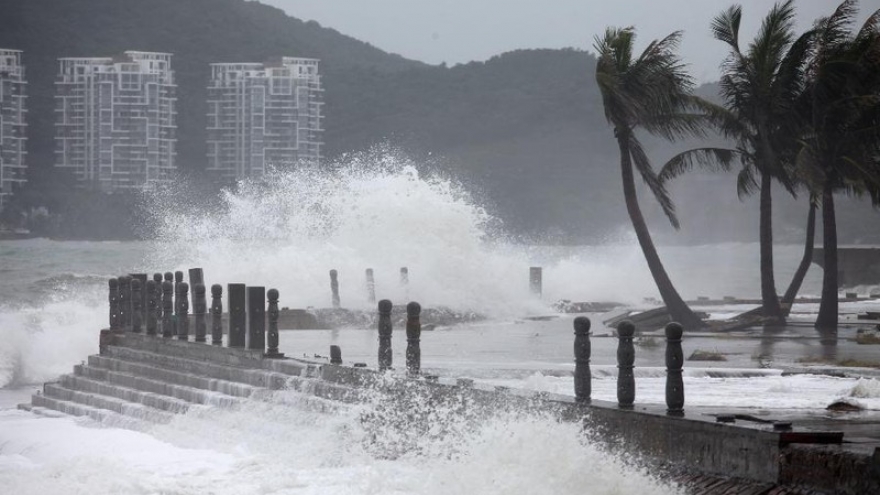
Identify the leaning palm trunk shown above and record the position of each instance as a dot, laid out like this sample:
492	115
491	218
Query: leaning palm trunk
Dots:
801	272
827	319
769	298
678	309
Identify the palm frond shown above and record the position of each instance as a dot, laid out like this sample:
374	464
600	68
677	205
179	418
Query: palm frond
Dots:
725	27
746	185
711	159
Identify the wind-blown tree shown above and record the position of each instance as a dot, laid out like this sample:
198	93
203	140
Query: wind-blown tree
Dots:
760	87
653	92
841	148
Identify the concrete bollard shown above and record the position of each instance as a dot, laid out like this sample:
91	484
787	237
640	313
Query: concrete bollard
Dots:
626	355
200	308
152	303
196	276
113	299
216	314
582	349
385	329
183	311
536	280
256	315
168	308
371	287
136	311
236	299
335	354
273	314
169	277
178	279
124	302
674	363
143	299
334	289
413	337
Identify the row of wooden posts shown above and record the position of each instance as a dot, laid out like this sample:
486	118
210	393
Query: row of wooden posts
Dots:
626	385
135	300
160	306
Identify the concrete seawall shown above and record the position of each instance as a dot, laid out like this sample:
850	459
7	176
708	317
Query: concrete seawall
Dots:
148	378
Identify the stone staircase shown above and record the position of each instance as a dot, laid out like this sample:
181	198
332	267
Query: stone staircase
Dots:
137	380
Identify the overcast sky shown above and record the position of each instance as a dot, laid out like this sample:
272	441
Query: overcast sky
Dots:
459	31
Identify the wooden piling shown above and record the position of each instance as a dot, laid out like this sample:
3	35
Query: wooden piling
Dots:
674	363
113	299
152	304
335	354
136	313
334	289
200	308
217	314
582	349
626	354
236	299
371	287
413	337
385	329
182	311
168	308
256	316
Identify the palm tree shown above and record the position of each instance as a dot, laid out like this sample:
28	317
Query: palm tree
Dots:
841	147
653	92
760	87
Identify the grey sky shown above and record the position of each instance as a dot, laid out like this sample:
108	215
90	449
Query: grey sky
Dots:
459	31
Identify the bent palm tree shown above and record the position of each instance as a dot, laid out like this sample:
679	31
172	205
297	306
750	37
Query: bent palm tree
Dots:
652	92
760	87
842	145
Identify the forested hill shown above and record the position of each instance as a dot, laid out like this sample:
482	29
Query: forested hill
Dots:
525	129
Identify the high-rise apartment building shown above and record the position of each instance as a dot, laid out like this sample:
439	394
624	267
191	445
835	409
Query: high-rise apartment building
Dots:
116	120
262	115
12	123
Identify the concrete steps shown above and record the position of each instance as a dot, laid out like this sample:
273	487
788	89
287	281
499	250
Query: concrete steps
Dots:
139	380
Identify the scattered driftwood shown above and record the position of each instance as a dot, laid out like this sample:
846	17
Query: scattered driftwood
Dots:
566	306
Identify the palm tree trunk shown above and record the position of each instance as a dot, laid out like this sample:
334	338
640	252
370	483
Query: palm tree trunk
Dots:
798	278
827	319
678	309
769	298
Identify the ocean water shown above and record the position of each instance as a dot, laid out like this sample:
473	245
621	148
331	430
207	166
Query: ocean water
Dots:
375	212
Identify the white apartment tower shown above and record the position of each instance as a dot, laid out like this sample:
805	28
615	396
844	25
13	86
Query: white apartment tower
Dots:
263	115
12	123
116	120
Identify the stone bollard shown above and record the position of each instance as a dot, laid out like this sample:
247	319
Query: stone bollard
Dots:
124	302
236	299
136	313
371	287
335	354
196	277
413	337
256	316
626	355
168	308
183	311
334	289
674	362
152	304
200	308
273	313
582	376
385	329
216	314
536	280
114	304
169	277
